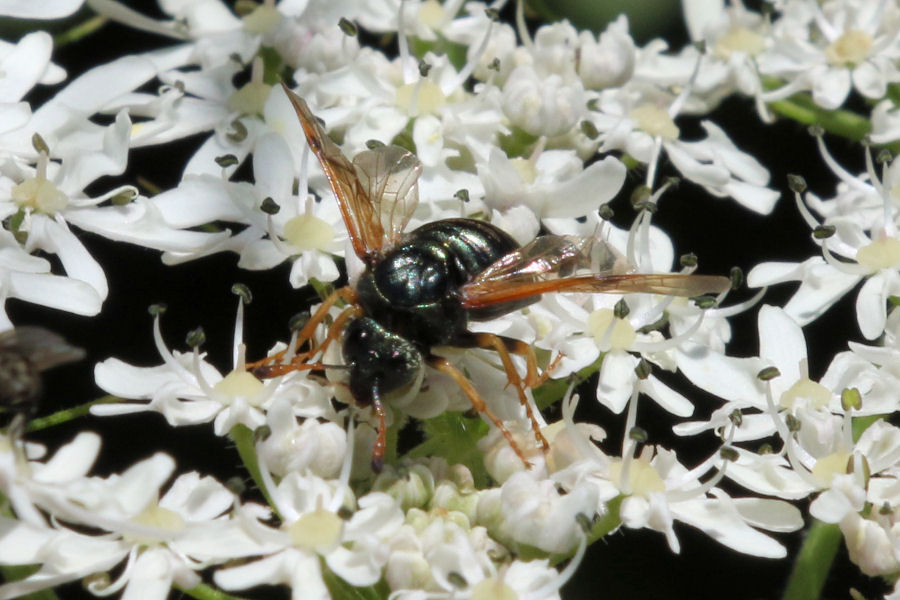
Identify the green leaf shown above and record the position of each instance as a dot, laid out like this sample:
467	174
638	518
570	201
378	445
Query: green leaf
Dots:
454	437
18	572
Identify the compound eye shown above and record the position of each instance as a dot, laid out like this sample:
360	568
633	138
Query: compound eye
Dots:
412	278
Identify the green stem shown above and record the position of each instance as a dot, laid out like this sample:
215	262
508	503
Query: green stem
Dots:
244	441
813	562
68	414
205	592
803	109
79	31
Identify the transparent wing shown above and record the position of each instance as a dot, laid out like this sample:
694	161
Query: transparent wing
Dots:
390	177
42	348
569	264
358	211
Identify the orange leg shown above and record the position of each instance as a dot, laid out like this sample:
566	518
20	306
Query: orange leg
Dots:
272	366
446	367
505	346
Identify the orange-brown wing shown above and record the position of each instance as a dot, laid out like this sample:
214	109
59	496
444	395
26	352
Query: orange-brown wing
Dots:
359	213
390	177
563	264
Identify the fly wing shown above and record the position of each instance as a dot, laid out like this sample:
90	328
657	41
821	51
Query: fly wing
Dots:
358	211
43	348
390	177
568	264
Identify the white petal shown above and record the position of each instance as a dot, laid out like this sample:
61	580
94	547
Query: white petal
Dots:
25	65
55	237
72	461
666	397
584	193
273	168
616	380
151	576
45	9
831	87
63	293
729	378
869	80
782	345
85	166
871	304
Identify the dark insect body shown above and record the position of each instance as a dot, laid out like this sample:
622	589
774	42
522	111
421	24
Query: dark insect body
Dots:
26	352
421	288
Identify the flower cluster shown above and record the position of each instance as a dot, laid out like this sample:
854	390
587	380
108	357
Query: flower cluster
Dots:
534	131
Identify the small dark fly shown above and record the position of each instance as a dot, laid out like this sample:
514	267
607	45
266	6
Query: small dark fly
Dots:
25	353
420	288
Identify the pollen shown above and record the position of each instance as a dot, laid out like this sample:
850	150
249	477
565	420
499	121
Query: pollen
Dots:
308	232
850	49
609	332
829	466
655	121
319	530
739	39
880	254
41	195
420	98
817	394
239	384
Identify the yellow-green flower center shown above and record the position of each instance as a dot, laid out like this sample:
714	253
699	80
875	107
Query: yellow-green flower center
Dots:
250	99
880	254
239	384
420	98
816	393
739	39
850	49
620	337
493	588
654	121
643	479
431	13
319	530
263	19
308	232
39	194
829	466
155	517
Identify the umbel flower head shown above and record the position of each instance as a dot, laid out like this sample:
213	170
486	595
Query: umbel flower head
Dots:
480	476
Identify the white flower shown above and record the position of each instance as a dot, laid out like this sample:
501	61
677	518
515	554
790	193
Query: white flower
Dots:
640	120
552	183
165	540
876	255
833	48
312	531
187	390
51	9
